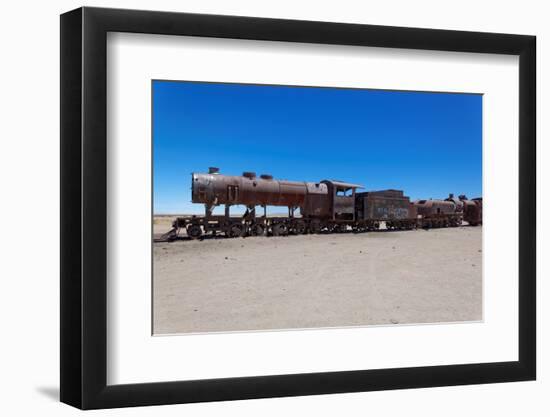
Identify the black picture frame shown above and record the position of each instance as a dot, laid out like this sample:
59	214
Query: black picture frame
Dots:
84	207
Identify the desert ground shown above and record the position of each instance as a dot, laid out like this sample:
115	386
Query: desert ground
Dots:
311	281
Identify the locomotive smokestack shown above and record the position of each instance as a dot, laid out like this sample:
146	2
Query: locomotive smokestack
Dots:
213	170
451	196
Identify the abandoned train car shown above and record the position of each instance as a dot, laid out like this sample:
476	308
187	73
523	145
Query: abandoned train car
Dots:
313	207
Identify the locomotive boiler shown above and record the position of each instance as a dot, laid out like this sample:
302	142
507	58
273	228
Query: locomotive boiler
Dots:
313	207
215	189
439	213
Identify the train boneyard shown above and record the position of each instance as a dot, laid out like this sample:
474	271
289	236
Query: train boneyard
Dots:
326	206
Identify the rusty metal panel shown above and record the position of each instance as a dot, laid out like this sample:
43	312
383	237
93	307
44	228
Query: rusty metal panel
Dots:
292	194
344	205
387	193
473	213
385	205
317	202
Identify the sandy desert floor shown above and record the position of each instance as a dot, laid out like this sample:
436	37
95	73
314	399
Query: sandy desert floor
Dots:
309	281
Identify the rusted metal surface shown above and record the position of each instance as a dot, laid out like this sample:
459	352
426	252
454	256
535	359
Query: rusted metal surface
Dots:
459	205
434	207
317	203
473	210
385	205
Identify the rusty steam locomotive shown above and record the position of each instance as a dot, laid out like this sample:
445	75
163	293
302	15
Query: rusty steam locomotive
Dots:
324	206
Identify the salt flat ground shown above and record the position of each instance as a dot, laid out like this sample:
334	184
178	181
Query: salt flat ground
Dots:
309	281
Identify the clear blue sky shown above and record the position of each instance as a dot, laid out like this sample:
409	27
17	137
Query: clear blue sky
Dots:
427	144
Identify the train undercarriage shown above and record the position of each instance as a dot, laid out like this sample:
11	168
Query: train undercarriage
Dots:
231	226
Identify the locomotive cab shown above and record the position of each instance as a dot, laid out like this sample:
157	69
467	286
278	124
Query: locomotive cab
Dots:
342	199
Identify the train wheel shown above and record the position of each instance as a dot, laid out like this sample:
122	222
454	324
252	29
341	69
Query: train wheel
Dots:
315	226
194	231
257	230
279	229
300	227
236	230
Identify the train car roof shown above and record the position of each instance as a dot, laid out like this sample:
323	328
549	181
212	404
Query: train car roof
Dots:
343	184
